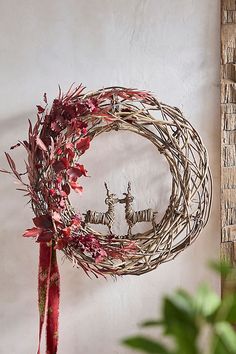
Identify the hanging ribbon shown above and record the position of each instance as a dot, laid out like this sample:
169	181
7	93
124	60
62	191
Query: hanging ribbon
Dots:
48	296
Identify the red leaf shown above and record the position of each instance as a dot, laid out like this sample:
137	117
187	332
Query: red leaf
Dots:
61	165
65	161
13	166
76	187
30	128
59	151
26	144
43	221
58	166
45	236
83	144
33	232
70	153
11	162
40	109
82	169
76	172
41	144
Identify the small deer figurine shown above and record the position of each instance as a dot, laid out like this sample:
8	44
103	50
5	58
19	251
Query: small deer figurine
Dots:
107	218
133	217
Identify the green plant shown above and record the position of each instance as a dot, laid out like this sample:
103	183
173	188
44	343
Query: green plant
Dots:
186	319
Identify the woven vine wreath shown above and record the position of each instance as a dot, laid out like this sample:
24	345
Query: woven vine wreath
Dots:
55	144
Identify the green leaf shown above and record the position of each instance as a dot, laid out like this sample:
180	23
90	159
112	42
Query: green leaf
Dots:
225	339
206	301
146	345
179	310
224	268
182	303
227	310
181	322
151	323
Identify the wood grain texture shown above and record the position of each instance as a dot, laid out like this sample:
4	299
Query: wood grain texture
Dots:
228	254
228	137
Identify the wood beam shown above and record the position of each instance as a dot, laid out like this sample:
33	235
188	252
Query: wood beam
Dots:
228	137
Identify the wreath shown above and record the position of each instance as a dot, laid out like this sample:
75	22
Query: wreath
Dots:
55	144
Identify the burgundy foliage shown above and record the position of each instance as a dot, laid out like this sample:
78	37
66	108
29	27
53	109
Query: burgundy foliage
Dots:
54	145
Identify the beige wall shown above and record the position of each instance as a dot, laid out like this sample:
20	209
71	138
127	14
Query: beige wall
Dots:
168	46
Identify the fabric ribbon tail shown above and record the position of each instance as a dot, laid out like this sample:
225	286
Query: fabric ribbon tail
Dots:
48	296
53	306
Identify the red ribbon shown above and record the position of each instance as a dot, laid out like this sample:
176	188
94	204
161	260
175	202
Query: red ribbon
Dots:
48	296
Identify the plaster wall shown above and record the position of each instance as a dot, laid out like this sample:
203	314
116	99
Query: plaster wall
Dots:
167	46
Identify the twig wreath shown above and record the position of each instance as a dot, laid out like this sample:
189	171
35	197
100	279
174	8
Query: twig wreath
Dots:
55	144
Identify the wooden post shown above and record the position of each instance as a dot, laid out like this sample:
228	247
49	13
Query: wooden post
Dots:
228	137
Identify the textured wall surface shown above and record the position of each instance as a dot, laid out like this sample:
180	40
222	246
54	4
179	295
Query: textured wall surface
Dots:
169	47
228	137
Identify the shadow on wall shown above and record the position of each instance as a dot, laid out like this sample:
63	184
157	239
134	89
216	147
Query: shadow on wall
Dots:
115	158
